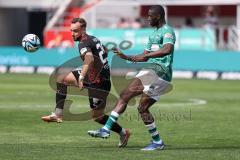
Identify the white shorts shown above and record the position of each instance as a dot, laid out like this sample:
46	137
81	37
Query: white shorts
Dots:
154	86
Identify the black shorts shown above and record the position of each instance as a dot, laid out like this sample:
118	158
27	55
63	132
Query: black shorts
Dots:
96	90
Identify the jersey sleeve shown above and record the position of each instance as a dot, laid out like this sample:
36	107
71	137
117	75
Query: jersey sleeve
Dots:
169	37
83	49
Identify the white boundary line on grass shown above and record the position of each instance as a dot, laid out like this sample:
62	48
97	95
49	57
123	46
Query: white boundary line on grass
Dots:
189	102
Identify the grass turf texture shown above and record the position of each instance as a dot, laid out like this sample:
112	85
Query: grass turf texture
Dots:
191	129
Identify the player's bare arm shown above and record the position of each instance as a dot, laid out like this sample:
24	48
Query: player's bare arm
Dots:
141	57
88	60
129	58
120	54
167	49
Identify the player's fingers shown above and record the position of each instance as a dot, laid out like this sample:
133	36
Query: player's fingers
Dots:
115	50
119	54
81	87
133	60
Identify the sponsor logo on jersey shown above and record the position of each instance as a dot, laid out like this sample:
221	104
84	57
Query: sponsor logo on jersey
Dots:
168	35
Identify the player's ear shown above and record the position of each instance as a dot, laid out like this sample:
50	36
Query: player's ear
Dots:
159	16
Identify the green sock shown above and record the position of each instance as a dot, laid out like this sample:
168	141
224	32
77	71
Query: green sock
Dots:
113	117
153	132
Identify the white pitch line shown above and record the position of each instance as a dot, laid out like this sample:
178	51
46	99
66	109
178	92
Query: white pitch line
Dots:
189	102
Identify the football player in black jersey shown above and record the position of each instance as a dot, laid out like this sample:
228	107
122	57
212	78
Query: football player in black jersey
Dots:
95	73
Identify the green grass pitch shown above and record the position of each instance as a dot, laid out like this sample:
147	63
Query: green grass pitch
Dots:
199	119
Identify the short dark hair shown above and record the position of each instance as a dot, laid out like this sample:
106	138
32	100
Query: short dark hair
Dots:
159	9
81	21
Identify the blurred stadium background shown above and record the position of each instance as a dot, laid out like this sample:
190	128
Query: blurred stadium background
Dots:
198	120
207	32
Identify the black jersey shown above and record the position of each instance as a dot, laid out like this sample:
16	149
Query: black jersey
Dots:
99	71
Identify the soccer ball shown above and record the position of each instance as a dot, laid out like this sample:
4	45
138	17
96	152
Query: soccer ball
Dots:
31	42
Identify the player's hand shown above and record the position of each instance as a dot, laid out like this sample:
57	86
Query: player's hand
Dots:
117	52
120	54
139	58
80	84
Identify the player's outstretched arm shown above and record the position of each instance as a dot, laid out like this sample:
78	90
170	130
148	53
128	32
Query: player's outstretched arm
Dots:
120	54
167	49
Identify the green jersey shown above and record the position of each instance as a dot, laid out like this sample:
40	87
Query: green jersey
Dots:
161	65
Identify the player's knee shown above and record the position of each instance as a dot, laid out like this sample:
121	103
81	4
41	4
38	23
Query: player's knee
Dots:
125	96
63	79
68	80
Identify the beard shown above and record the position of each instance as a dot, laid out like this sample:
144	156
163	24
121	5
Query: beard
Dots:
75	38
154	23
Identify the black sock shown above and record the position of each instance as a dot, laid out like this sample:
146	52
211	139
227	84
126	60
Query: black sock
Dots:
61	95
116	127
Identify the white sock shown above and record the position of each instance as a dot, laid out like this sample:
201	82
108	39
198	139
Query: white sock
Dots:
104	127
58	112
111	120
154	133
158	142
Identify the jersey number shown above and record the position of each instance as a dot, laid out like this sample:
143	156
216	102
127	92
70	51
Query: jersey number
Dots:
101	53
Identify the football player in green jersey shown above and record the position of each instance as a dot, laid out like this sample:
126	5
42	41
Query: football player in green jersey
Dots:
151	82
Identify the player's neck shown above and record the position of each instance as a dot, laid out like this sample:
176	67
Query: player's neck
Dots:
83	36
160	25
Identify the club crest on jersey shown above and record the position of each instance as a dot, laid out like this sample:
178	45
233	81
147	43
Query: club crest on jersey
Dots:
168	35
83	50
